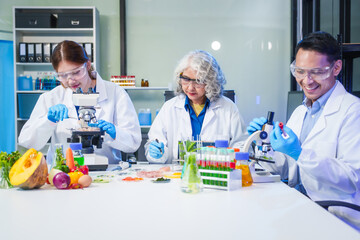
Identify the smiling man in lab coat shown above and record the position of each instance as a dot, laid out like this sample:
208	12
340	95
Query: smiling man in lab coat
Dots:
321	157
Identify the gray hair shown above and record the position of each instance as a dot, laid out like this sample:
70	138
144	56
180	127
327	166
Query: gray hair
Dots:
207	70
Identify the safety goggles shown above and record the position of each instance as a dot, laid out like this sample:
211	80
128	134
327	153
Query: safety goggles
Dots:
77	73
185	81
316	74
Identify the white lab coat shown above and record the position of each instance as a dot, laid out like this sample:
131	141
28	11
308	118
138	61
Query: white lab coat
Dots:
114	106
329	164
172	124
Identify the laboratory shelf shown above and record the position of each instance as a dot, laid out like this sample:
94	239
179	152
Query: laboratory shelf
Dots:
351	50
32	91
33	64
22	119
26	100
37	31
145	88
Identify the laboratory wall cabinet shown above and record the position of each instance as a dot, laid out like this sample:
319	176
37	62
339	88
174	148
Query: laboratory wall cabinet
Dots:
36	31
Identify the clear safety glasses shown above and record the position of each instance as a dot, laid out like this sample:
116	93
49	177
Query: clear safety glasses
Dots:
185	81
77	73
316	74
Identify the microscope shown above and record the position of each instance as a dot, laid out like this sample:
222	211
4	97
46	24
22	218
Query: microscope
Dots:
261	139
259	143
88	136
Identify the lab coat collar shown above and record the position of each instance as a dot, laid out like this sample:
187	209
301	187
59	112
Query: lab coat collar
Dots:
180	102
210	113
184	116
100	88
215	104
334	102
332	105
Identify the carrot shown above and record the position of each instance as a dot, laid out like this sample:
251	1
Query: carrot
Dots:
70	159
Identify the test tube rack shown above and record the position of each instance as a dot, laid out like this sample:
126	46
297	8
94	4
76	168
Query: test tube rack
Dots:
222	180
124	81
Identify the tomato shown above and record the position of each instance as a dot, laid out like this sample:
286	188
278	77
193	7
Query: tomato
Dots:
84	169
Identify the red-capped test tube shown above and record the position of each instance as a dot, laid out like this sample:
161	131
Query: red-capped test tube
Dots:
284	135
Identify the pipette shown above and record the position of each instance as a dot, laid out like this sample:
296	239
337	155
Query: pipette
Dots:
160	148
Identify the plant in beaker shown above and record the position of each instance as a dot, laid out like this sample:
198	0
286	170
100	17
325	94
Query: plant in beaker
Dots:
191	180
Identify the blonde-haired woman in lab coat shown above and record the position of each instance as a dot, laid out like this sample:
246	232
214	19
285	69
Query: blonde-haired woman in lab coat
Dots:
55	114
198	110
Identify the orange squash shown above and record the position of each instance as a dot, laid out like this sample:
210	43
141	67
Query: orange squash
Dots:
30	171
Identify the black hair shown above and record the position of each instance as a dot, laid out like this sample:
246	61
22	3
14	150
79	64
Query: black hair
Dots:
321	42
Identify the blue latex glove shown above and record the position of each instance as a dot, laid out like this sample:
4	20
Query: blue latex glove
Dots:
109	128
156	149
57	113
290	146
256	125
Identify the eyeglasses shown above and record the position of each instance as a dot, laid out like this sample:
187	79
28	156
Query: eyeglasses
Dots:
77	73
316	74
185	81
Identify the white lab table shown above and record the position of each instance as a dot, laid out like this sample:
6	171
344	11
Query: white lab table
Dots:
146	210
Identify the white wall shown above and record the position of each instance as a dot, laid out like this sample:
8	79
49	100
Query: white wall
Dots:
255	52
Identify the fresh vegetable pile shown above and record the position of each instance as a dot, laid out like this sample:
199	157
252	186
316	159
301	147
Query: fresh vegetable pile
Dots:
68	174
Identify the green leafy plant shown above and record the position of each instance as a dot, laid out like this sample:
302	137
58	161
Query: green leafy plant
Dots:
6	162
60	161
190	147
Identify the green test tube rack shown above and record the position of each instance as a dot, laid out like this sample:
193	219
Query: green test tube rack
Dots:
222	180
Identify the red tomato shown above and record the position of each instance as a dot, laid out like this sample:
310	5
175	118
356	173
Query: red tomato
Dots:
84	169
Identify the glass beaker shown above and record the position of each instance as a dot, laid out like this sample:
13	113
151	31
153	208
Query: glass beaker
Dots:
181	152
78	156
4	176
191	180
242	163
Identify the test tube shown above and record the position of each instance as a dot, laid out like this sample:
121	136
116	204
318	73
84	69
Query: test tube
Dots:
213	159
284	134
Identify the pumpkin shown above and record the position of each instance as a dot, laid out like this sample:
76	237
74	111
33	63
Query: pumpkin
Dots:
30	171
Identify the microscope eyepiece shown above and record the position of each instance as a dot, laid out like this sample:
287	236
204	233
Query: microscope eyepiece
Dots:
270	118
79	90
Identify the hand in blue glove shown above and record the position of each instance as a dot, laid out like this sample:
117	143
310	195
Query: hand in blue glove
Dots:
107	127
256	125
58	113
156	149
290	146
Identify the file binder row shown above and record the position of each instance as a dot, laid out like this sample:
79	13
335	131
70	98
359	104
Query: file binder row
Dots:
41	52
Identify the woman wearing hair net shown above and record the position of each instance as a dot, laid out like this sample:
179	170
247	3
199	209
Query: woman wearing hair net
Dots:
198	110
